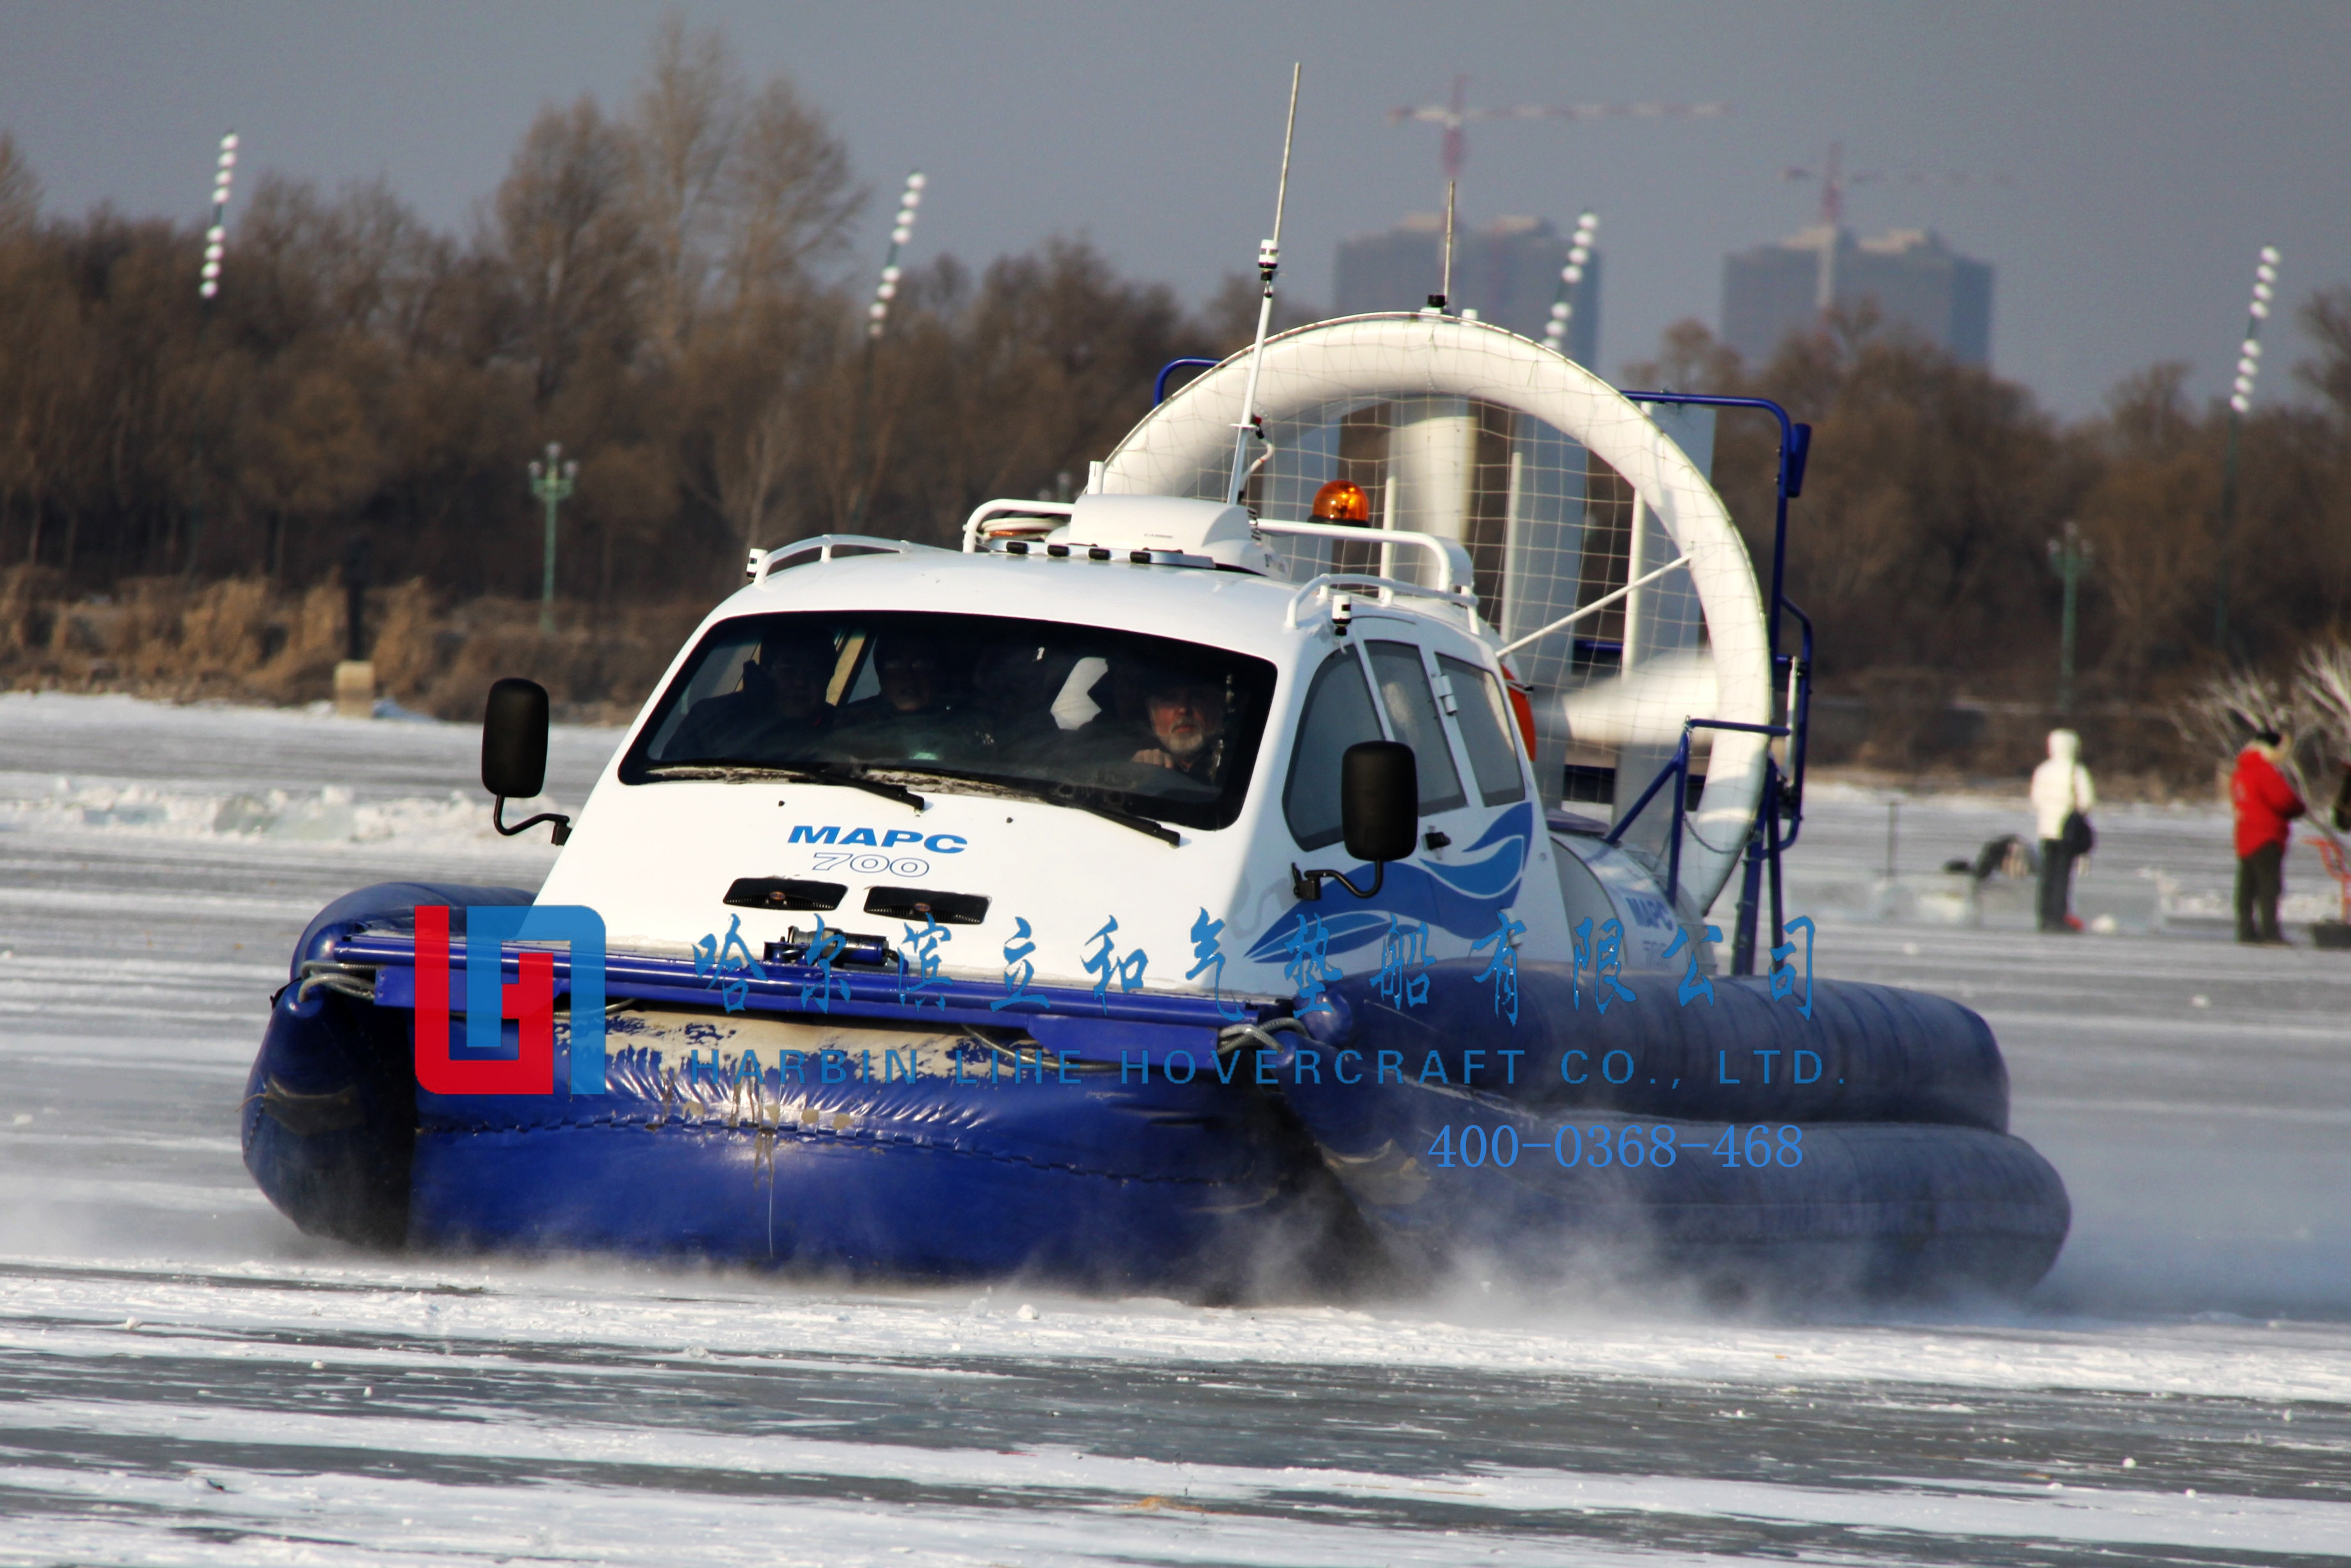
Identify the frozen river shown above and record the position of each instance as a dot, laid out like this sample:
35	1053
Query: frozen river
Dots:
185	1378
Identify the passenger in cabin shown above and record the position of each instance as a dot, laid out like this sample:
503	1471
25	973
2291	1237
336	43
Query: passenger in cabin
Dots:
1186	712
778	713
918	715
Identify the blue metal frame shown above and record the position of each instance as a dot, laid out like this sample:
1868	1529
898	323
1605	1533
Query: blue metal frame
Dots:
1159	387
1783	795
1677	769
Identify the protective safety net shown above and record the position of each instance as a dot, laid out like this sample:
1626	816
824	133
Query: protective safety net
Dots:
1552	528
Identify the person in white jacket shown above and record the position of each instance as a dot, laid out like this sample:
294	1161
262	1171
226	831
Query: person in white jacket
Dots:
2061	790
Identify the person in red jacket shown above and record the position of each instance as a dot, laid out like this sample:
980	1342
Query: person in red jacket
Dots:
2264	804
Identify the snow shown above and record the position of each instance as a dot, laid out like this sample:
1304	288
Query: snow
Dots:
187	1379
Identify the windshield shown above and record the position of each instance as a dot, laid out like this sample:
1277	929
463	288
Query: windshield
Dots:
1146	725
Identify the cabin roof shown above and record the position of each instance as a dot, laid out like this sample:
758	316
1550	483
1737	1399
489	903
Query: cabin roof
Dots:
1237	610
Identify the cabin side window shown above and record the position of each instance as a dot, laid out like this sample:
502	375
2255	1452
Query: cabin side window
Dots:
1412	714
1338	714
1485	718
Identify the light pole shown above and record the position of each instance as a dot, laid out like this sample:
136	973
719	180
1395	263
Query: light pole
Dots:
552	482
1570	281
877	316
216	236
901	230
2241	401
2070	554
207	289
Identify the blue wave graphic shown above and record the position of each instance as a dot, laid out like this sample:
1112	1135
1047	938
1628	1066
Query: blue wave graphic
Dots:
1498	872
1465	899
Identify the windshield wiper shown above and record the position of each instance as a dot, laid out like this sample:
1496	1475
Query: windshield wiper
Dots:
734	774
1124	819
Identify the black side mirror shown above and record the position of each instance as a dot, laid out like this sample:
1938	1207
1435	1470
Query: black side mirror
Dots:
514	753
1379	815
1379	799
514	740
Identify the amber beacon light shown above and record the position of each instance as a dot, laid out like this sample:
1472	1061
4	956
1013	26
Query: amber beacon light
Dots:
1342	501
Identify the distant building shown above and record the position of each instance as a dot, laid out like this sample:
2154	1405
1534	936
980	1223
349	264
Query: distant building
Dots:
1508	272
1915	281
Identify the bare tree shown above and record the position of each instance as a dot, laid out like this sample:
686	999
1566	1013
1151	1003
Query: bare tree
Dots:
762	389
572	256
2327	319
790	193
361	261
680	144
734	189
20	192
2149	516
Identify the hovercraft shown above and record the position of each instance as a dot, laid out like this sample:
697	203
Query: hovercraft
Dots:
1174	889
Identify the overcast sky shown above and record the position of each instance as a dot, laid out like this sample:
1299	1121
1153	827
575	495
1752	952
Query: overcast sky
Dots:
2150	147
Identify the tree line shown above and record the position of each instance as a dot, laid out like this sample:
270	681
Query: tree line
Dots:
653	287
659	287
1923	539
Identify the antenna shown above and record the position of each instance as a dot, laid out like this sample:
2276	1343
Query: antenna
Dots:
1447	295
1268	262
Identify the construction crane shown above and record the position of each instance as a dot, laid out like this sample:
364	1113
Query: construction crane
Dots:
1834	181
1454	116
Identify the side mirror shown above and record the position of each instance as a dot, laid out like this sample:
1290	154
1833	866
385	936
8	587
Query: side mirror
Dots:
514	740
1379	799
514	753
1379	815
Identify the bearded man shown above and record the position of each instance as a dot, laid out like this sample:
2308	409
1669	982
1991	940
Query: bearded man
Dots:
1187	716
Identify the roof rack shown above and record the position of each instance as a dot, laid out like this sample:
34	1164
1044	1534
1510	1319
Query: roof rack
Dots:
759	563
1452	560
1388	589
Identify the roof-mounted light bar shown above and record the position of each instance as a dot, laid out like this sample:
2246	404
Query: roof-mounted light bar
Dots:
1013	519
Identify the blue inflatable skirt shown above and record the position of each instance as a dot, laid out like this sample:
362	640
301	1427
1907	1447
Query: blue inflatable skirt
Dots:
1149	1143
1861	1150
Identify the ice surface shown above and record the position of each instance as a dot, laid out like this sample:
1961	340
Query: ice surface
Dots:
2195	1094
187	1379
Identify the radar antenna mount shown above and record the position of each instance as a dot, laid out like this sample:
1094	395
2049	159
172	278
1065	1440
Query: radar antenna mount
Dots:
1268	262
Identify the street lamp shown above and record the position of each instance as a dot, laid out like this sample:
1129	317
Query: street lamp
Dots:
552	482
207	289
217	235
877	315
1571	278
901	230
2241	403
2071	555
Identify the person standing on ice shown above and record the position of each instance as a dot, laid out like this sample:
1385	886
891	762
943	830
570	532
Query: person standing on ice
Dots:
2062	799
2264	803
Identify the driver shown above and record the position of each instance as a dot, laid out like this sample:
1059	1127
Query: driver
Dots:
916	716
1187	716
779	708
